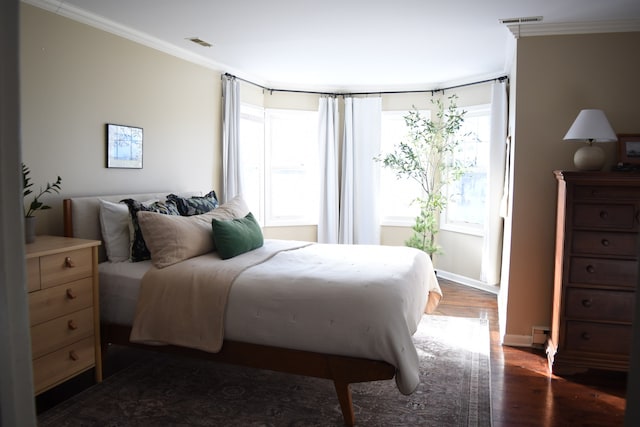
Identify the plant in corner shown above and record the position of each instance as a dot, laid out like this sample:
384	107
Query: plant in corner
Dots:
427	156
35	204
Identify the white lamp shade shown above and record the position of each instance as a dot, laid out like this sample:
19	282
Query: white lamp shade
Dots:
591	125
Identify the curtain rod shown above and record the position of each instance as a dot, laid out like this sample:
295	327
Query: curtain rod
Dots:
433	91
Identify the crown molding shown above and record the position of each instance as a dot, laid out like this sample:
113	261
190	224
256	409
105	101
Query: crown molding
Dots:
533	29
60	8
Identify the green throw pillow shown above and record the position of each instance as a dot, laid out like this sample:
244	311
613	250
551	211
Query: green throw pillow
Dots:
236	236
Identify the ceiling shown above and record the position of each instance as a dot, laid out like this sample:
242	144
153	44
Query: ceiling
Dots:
345	45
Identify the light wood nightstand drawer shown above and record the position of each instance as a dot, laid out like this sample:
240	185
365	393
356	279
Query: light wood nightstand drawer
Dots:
65	266
54	302
56	367
62	331
33	274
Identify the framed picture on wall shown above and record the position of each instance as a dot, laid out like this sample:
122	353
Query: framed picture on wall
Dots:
629	149
124	146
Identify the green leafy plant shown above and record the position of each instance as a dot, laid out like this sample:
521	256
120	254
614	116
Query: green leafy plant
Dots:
427	156
36	204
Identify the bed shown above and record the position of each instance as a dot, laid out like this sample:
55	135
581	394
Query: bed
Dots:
284	305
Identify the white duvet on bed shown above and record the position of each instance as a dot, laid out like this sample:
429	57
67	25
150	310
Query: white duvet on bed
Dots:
360	301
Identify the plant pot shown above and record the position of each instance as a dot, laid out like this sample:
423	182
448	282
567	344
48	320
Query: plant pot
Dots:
29	229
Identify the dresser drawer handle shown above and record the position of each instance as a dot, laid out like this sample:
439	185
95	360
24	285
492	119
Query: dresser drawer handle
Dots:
585	336
587	302
605	242
72	325
69	262
71	294
590	269
73	355
604	214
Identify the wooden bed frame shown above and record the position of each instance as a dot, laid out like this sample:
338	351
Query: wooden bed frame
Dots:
342	370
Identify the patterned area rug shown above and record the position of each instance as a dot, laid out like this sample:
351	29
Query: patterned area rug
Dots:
175	391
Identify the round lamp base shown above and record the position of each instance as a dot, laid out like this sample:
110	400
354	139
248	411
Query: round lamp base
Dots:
589	158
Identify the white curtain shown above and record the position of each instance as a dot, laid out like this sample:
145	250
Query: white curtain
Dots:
359	219
328	224
231	161
492	246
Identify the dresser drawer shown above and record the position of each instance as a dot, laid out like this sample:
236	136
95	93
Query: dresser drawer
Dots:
605	216
599	305
33	274
608	192
604	243
598	337
597	271
54	302
65	266
55	367
62	331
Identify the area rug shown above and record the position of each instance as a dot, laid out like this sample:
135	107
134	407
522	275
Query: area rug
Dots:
176	391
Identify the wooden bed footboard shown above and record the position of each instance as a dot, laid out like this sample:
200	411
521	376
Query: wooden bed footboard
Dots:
342	370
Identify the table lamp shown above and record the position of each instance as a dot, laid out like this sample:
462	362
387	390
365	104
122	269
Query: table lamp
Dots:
590	126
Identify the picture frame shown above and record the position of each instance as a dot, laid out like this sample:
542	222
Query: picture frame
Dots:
124	146
629	149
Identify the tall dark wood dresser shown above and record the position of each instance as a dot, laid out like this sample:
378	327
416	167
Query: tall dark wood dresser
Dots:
596	270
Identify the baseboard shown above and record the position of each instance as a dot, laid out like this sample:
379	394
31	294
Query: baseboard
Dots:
518	340
468	281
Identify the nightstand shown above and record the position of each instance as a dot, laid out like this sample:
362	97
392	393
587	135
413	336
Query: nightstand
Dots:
62	281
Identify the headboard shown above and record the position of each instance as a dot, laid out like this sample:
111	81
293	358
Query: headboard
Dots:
82	214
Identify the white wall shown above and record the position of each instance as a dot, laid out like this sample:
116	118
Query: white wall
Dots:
75	79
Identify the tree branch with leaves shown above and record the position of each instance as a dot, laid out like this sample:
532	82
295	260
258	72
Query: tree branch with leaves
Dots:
428	156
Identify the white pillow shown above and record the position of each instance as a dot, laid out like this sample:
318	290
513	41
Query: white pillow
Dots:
114	222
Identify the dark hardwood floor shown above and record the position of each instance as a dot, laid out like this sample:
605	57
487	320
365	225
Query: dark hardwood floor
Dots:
523	392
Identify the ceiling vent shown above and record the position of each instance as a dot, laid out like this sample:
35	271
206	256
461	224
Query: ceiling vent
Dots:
199	41
524	20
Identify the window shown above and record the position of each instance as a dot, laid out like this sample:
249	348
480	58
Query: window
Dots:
280	164
396	194
466	207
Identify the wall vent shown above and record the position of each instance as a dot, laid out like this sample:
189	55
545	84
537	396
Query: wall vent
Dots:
523	20
199	41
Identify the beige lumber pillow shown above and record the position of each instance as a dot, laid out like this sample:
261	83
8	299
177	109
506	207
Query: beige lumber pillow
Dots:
171	238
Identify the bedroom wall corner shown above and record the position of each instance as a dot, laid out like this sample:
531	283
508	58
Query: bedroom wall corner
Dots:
553	85
76	78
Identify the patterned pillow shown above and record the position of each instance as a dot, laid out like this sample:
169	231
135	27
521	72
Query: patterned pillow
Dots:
139	250
195	205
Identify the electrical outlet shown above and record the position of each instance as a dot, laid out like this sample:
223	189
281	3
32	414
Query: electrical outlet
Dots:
539	335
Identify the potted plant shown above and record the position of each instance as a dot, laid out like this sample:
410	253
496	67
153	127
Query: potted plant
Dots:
36	204
427	156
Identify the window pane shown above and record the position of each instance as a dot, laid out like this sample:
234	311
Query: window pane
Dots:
291	187
466	208
396	194
252	153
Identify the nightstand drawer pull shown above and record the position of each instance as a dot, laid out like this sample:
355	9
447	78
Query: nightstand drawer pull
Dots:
69	262
72	325
587	302
71	294
604	214
605	242
73	355
585	336
590	269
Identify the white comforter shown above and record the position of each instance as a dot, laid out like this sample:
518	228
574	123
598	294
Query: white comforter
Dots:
352	300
